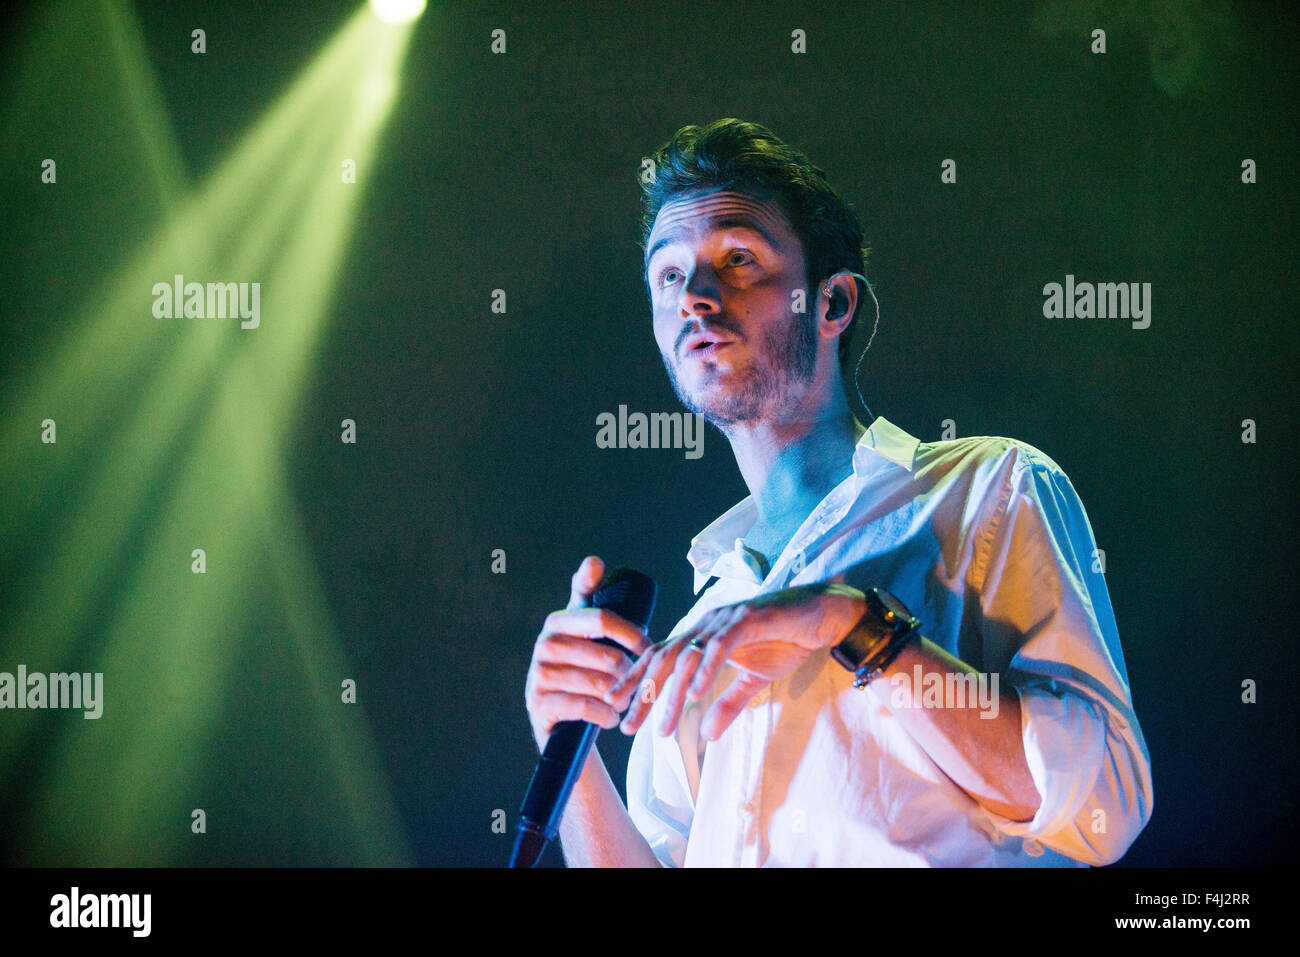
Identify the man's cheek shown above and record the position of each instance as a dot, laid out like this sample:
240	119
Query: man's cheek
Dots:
663	339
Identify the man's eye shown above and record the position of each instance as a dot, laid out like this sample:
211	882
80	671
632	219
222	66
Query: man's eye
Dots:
746	259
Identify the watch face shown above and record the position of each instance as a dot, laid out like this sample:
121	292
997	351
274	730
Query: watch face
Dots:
886	623
876	629
902	617
886	618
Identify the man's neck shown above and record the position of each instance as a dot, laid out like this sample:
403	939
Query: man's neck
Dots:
790	466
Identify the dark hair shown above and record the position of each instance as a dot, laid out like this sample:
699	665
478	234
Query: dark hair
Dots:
731	154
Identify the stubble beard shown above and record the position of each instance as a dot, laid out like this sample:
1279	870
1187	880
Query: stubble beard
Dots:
775	378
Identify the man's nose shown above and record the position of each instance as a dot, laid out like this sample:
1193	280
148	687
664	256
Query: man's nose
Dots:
700	292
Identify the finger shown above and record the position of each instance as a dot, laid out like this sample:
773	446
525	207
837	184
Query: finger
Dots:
585	580
597	623
632	677
620	698
727	707
713	658
722	635
634	691
644	691
678	683
658	666
561	706
581	653
553	678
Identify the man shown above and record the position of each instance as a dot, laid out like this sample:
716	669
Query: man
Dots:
1001	733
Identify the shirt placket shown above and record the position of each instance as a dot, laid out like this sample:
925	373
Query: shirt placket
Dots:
748	837
753	845
830	511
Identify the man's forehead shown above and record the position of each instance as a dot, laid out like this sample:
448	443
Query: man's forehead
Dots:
699	211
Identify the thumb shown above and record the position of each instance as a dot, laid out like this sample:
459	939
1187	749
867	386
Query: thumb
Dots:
585	580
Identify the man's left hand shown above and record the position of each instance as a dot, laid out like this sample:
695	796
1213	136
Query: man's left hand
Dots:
764	639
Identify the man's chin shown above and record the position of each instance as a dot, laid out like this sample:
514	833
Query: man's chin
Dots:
722	410
724	399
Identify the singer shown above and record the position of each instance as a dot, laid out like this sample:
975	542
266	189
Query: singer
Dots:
757	743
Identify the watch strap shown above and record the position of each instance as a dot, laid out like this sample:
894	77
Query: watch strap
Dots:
878	637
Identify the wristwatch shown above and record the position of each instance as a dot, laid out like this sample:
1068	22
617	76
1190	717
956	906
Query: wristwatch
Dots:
875	641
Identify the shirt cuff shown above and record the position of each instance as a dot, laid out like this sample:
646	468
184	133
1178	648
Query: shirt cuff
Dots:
1065	743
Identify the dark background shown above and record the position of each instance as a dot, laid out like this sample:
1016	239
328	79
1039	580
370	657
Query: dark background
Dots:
477	431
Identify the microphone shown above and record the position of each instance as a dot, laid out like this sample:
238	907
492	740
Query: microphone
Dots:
631	595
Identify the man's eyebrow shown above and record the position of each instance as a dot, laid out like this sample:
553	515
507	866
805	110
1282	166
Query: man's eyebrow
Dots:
731	221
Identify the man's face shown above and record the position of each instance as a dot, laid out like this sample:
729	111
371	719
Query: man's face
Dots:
722	269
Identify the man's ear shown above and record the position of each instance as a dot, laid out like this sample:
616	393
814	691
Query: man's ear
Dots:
840	295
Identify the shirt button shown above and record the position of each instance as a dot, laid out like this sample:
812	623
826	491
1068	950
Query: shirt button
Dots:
797	565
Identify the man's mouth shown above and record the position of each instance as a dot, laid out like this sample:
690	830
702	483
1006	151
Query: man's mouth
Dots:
705	344
708	348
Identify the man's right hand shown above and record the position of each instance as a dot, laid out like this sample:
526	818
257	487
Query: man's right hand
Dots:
571	675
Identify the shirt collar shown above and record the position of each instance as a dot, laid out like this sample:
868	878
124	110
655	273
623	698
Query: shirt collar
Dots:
883	445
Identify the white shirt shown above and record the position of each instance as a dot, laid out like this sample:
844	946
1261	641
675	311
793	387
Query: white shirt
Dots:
986	542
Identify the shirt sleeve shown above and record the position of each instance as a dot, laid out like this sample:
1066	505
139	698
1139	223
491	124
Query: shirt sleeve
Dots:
1049	627
658	797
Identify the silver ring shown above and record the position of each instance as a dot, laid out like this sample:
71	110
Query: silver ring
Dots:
696	644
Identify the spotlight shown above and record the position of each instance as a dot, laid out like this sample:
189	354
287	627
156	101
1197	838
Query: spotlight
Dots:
397	11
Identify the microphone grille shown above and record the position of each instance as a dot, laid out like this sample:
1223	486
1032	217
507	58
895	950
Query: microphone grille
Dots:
628	593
